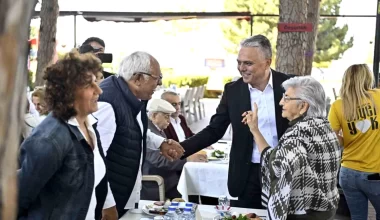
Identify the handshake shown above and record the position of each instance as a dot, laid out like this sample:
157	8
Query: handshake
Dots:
172	150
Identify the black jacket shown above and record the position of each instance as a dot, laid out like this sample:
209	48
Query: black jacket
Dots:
235	101
124	153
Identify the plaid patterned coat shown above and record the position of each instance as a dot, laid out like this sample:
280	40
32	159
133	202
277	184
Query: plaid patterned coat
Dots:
301	172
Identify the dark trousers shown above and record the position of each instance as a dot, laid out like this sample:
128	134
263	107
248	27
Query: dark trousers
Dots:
251	196
204	199
122	212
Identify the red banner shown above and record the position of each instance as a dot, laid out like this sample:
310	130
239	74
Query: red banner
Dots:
295	27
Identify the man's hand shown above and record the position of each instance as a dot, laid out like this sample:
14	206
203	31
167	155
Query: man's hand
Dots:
197	157
110	214
172	150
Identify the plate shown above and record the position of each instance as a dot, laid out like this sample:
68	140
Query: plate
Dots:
219	162
214	158
152	207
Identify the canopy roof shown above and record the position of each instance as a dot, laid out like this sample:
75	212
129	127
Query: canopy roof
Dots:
152	16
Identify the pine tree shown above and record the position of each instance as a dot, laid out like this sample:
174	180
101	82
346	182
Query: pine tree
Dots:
331	43
236	30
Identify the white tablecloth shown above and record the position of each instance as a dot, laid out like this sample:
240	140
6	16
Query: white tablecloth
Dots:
204	212
206	179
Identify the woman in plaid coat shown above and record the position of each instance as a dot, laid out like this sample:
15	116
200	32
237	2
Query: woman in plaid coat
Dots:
299	176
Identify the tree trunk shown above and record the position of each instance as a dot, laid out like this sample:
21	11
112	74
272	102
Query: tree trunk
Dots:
47	43
312	17
290	57
15	16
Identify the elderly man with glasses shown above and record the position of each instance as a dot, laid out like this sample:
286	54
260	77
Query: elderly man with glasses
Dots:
178	129
155	164
123	126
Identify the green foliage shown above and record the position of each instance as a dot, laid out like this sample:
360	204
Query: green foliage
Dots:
180	81
30	79
331	43
61	55
193	81
236	30
33	32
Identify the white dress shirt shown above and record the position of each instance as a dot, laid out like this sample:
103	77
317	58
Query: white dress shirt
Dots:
99	167
178	128
266	115
107	128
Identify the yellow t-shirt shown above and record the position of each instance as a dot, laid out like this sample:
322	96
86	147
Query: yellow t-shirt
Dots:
361	137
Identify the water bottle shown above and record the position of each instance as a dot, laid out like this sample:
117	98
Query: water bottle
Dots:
171	214
223	201
186	215
190	205
176	205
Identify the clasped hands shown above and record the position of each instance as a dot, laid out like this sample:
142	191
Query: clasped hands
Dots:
172	150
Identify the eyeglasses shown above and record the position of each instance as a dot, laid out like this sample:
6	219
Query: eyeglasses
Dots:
174	104
287	98
158	78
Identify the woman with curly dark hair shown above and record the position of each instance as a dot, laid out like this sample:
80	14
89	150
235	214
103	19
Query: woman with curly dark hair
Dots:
63	174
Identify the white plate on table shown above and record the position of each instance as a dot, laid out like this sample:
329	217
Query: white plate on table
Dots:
146	208
217	160
214	158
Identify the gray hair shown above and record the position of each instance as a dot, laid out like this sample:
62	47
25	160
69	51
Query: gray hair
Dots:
310	91
163	95
261	42
136	62
150	114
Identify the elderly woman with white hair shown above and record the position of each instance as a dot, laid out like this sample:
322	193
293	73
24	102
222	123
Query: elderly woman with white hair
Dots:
299	176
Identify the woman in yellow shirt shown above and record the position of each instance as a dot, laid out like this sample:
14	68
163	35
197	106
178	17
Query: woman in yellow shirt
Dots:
354	119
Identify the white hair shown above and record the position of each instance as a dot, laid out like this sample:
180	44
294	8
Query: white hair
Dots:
169	92
261	42
136	62
311	91
150	114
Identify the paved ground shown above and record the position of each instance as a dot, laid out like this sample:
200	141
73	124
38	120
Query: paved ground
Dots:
211	105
